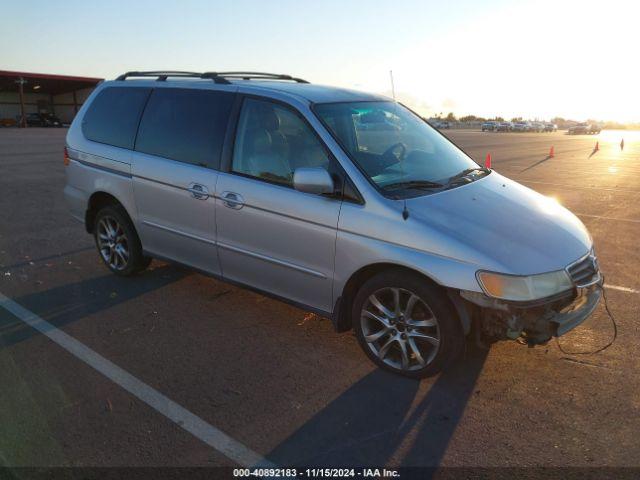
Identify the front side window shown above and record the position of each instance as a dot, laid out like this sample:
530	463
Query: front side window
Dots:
272	141
396	149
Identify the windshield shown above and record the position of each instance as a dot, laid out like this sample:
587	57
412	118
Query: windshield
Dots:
395	148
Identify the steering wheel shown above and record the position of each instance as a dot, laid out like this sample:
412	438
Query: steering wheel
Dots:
390	157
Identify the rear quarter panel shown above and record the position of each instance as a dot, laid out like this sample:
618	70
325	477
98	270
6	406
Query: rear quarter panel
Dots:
96	167
88	174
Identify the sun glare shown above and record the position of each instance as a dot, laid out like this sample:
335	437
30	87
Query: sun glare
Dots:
537	60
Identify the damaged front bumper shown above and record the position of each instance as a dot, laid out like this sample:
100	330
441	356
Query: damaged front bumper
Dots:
578	311
536	322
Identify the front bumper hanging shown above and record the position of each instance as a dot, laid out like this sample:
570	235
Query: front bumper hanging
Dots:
535	321
578	311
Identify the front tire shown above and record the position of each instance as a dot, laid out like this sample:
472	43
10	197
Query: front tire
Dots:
118	243
406	324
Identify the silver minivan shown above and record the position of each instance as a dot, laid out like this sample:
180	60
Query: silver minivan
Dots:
345	203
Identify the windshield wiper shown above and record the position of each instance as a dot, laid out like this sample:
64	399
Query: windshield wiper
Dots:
464	174
417	184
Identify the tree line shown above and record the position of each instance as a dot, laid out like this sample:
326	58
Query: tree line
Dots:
559	121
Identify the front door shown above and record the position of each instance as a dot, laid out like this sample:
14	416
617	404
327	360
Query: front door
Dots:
271	236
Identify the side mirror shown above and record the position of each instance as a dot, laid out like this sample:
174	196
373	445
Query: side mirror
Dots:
314	180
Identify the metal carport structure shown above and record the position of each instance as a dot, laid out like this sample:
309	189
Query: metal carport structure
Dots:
23	92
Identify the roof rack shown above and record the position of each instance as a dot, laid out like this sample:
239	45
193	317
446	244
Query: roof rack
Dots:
252	76
217	77
161	75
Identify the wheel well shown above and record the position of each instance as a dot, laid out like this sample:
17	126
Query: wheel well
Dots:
342	312
97	201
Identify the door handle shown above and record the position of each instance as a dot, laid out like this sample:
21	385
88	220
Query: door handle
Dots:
198	191
232	200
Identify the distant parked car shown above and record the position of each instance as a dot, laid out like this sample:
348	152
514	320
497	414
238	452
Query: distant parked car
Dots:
42	120
489	126
580	128
522	127
584	129
374	122
504	127
550	127
537	127
438	123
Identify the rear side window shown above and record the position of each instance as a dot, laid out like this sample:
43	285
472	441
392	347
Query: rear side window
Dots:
114	114
185	125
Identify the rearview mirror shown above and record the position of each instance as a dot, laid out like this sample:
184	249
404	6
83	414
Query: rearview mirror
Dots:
314	180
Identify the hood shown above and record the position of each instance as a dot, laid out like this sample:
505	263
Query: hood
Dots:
515	228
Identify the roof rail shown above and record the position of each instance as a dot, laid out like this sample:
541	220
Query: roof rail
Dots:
252	76
162	75
217	77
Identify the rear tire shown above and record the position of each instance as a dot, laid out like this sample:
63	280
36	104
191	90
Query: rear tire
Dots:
406	324
118	243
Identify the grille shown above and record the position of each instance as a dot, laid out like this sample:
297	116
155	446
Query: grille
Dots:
584	271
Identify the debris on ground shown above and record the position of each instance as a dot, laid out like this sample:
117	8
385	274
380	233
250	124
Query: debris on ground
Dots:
307	317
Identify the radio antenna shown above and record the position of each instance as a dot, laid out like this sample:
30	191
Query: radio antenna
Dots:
393	88
405	211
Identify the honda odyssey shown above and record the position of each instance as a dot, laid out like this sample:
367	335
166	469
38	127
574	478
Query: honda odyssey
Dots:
344	203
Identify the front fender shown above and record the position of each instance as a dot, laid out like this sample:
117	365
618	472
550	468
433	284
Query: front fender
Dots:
354	252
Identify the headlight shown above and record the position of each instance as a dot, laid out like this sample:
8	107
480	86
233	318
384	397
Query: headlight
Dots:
517	288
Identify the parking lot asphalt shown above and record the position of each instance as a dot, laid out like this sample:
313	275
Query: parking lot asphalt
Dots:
279	380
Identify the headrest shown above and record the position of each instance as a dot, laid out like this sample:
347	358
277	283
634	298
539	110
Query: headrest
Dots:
270	120
261	141
264	116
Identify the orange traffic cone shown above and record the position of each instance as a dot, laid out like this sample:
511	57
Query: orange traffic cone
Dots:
622	144
551	152
487	161
597	147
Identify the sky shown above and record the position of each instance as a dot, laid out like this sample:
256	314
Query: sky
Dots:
536	59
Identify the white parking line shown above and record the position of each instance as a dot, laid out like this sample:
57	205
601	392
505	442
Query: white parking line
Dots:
615	219
193	424
622	289
587	187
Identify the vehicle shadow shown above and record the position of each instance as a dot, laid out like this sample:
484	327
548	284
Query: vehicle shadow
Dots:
71	302
385	418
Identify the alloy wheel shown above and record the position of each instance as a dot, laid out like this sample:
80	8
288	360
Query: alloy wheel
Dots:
400	329
113	243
